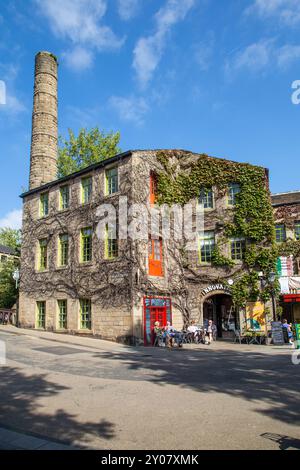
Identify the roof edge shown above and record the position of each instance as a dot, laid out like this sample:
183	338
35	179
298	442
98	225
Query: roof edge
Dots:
89	168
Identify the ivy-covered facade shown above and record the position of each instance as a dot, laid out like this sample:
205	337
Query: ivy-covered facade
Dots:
286	208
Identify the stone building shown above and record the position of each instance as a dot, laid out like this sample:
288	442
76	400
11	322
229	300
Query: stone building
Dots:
287	218
78	277
7	254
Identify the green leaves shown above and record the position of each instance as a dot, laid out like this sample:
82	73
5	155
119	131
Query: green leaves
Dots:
8	292
87	148
11	238
253	217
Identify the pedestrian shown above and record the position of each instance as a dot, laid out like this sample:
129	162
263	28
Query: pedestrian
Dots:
288	328
211	331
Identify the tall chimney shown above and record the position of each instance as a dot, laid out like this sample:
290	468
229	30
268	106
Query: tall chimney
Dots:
43	155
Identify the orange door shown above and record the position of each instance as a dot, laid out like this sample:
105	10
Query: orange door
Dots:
155	258
153	185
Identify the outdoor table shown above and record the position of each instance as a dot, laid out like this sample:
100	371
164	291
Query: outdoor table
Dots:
255	338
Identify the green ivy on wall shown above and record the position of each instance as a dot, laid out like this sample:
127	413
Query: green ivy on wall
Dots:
179	182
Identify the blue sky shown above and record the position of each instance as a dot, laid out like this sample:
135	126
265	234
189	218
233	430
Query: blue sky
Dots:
211	76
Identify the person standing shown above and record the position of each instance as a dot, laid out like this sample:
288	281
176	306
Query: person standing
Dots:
288	328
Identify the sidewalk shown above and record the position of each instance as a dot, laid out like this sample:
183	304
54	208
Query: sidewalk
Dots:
11	440
96	344
89	342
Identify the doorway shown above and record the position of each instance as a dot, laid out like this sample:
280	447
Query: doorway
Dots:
219	308
155	309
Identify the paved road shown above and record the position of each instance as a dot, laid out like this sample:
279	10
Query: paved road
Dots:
95	394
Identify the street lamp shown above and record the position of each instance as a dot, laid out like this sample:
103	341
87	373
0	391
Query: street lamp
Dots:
16	276
271	279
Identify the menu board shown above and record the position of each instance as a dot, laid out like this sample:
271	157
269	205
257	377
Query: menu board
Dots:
277	333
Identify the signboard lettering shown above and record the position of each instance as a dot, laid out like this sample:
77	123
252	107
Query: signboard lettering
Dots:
277	333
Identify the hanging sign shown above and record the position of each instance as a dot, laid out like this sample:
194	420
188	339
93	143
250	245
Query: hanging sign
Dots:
215	287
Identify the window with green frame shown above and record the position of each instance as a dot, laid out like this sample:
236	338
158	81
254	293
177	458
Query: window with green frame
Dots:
43	254
111	177
297	230
280	233
206	246
85	314
111	243
44	204
63	251
41	314
206	198
86	190
86	244
237	248
233	190
62	314
64	197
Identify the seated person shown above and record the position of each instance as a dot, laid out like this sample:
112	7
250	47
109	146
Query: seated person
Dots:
193	330
172	334
158	332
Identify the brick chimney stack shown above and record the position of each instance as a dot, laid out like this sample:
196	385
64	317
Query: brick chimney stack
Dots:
43	155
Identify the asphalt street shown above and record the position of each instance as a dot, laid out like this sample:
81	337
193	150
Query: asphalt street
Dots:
89	393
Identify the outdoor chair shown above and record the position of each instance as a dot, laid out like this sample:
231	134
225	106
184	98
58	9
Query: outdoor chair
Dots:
159	341
239	337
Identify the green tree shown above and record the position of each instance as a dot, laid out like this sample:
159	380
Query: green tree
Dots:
90	146
8	291
11	238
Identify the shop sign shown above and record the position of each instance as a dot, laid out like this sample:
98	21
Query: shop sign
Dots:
215	287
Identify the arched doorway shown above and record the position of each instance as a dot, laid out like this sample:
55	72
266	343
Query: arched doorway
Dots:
219	308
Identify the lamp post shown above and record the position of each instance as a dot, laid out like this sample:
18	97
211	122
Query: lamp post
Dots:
16	277
271	279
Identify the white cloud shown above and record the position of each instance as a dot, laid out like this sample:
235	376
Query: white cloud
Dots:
78	58
9	102
261	55
148	50
13	105
12	220
127	9
287	55
81	23
254	57
287	11
131	109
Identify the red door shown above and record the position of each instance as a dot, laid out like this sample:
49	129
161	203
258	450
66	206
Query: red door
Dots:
155	309
155	257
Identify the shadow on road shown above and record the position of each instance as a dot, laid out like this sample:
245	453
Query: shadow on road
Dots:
284	442
20	410
271	380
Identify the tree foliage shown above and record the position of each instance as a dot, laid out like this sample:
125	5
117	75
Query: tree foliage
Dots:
90	146
8	292
11	238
